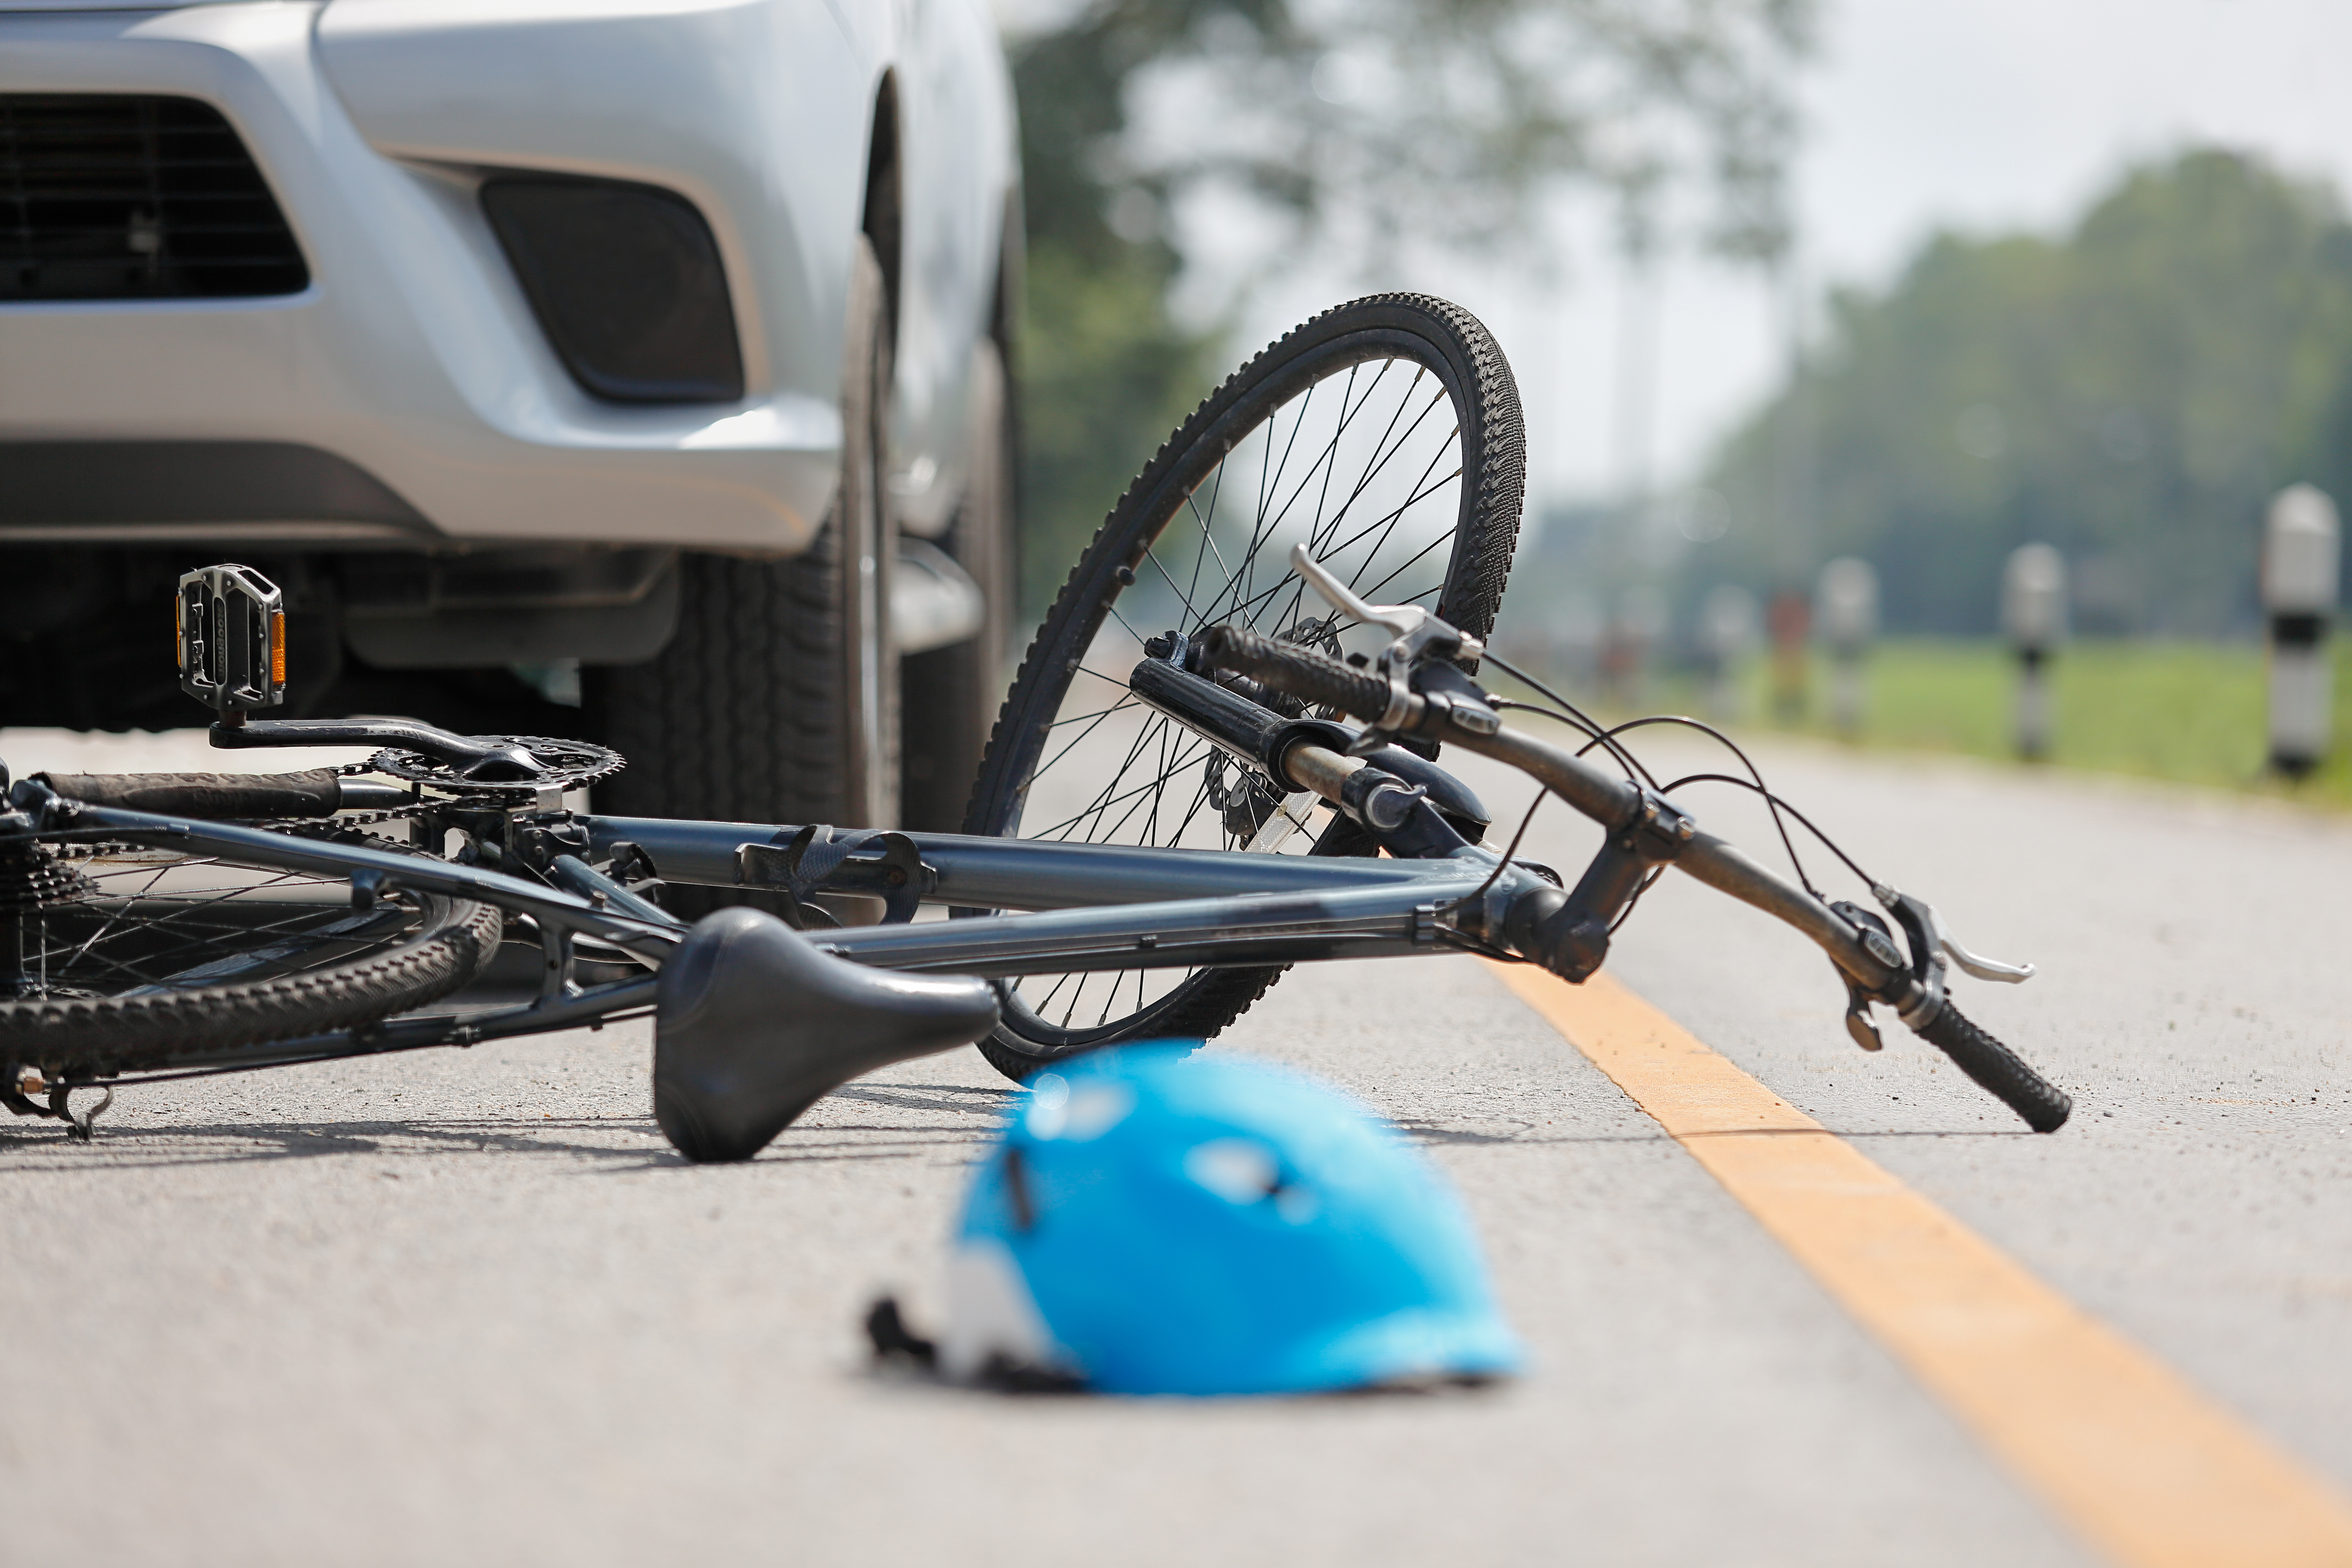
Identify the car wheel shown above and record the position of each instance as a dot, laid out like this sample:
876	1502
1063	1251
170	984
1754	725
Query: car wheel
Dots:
953	693
778	700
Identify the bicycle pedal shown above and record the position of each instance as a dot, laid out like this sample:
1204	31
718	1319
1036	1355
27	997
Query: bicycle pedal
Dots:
231	624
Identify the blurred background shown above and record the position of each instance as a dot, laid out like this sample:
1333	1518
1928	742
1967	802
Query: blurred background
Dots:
1917	373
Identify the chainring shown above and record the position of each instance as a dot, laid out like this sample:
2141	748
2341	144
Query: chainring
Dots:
564	764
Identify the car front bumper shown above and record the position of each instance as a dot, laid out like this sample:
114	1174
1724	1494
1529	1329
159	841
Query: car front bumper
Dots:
413	354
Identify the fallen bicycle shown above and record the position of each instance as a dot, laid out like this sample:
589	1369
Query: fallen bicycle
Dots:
1263	652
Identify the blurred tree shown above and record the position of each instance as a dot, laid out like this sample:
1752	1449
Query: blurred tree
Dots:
2132	393
1372	128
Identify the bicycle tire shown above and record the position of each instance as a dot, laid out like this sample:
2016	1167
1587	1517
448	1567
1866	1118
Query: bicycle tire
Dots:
1445	343
77	1038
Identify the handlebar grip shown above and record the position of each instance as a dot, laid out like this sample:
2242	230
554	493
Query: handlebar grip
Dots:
1301	671
1999	1071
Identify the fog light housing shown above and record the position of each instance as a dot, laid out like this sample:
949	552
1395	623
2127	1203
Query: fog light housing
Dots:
627	282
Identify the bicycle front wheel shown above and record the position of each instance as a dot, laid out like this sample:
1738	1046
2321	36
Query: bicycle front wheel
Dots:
1385	435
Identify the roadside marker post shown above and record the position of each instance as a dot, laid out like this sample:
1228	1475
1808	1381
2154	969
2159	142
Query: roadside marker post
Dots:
1846	612
2299	566
1789	621
1730	627
1578	630
2033	617
1635	632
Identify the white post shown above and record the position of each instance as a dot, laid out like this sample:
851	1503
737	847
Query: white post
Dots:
1633	633
1845	610
1578	632
1729	624
2034	613
1789	621
2299	545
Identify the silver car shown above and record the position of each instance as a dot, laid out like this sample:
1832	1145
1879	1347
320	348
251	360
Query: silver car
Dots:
625	367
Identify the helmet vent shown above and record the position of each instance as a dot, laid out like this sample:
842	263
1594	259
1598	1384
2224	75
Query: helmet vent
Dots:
1238	1170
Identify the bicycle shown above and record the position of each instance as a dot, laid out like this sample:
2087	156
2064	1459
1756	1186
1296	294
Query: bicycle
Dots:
1220	758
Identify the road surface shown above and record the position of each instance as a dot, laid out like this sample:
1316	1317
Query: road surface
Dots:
467	1305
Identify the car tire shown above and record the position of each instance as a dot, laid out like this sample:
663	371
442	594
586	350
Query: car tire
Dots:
953	693
777	702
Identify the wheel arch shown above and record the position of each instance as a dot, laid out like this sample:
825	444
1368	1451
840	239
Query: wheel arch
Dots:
882	217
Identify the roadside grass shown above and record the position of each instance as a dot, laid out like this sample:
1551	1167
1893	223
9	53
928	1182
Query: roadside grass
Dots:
2192	712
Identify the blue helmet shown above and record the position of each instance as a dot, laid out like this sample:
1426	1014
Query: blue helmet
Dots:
1149	1223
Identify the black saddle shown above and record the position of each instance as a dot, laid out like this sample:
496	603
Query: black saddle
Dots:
753	1026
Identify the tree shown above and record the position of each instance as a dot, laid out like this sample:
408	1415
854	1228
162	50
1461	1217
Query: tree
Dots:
2132	393
1374	128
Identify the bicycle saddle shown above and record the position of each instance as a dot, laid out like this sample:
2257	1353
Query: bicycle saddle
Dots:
753	1024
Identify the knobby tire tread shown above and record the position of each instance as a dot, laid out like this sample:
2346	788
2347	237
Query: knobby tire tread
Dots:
743	716
72	1037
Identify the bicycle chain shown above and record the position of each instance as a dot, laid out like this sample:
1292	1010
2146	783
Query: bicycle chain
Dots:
342	822
339	823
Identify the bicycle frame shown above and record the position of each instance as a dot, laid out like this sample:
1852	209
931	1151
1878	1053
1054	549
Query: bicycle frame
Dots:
1084	908
1094	907
1089	908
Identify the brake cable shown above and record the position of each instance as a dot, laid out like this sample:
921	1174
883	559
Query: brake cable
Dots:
1805	821
1502	865
1774	804
1569	713
1574	716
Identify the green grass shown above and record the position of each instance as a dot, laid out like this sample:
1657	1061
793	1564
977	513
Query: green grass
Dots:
2187	711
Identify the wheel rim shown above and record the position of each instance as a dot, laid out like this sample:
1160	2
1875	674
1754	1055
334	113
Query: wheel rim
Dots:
1358	453
144	921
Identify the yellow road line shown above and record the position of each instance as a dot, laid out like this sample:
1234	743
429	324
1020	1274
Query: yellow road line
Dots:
2143	1465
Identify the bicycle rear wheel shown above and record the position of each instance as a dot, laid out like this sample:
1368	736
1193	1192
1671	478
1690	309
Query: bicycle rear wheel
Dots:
1384	435
115	959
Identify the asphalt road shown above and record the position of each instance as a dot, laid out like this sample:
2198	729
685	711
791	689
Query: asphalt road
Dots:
468	1307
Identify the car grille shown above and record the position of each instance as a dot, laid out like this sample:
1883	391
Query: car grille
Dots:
121	197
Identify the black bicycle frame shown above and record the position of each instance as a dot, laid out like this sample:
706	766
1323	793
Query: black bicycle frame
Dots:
1086	907
1083	907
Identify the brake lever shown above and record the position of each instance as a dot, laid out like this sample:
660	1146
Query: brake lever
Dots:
1415	629
1940	935
1415	632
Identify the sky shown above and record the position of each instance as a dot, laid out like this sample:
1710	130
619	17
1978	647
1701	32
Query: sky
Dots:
1981	115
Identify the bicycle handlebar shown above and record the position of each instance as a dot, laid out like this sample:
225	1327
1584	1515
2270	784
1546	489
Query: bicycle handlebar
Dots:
1996	1069
315	793
1297	670
1616	804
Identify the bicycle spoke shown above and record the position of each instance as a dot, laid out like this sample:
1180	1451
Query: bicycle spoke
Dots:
1120	706
151	922
1105	800
1076	741
1297	587
1365	468
1265	526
